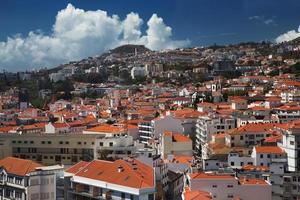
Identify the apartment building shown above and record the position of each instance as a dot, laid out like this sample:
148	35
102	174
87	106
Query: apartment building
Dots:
287	113
68	148
22	179
225	186
176	144
121	179
49	149
260	156
154	128
290	96
115	147
208	125
248	135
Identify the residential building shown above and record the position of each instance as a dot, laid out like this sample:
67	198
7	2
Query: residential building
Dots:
225	186
121	179
22	179
176	144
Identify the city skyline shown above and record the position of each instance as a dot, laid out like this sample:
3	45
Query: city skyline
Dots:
54	37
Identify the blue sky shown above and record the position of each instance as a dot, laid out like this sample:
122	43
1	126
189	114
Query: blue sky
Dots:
202	22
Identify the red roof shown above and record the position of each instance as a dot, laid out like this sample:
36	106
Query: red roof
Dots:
18	166
210	176
133	173
269	149
196	195
252	181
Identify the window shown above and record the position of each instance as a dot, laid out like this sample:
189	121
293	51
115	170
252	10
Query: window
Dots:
67	142
43	142
14	142
242	163
214	186
268	156
230	186
111	144
151	196
101	144
18	181
232	163
241	137
49	142
78	142
230	195
61	142
292	143
131	197
261	155
123	195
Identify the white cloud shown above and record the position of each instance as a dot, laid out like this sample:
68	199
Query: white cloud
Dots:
264	20
288	36
77	34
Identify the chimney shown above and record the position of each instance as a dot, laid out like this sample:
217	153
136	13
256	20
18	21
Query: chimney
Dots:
120	168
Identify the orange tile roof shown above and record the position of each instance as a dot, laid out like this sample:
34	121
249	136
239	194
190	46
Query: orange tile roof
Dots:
273	139
177	137
211	176
196	195
105	128
60	125
183	159
252	127
6	129
255	168
34	126
252	181
134	173
18	166
269	149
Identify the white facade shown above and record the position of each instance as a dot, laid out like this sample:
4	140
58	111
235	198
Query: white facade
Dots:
137	72
226	188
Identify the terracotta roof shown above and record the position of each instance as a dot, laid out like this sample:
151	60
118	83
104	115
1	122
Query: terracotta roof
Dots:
177	137
183	159
6	129
132	173
252	127
105	128
196	195
211	176
269	149
60	125
18	166
252	181
255	168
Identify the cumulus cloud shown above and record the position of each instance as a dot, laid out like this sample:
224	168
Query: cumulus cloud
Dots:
77	34
288	36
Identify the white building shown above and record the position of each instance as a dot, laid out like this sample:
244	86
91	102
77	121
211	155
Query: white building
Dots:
26	180
99	179
175	144
154	128
137	72
208	125
290	96
228	187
